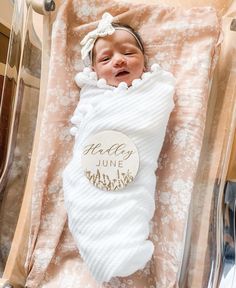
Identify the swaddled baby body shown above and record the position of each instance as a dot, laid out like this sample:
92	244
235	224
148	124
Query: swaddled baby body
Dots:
111	229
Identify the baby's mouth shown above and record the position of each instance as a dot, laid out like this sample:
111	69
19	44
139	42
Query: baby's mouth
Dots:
121	73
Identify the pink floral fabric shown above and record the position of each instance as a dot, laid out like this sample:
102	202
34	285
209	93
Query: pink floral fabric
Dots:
184	42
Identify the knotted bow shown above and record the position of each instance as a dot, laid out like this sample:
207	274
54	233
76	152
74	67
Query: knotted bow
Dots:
104	28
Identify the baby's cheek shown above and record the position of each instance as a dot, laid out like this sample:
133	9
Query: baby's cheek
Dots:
104	73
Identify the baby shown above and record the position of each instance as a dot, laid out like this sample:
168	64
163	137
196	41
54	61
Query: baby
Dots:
112	228
119	57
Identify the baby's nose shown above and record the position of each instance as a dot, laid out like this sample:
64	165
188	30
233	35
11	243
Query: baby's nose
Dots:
119	59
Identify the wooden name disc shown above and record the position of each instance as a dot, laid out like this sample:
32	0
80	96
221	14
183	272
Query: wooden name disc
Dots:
110	160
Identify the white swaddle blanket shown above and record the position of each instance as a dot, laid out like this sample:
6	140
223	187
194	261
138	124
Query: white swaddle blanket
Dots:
111	229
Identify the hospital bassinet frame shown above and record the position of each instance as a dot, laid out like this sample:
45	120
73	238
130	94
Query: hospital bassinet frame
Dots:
14	274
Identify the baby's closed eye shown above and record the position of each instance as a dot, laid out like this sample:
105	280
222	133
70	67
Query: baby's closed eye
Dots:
104	59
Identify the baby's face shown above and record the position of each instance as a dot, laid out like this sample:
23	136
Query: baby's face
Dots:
117	58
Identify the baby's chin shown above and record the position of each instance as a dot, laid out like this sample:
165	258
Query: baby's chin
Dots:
116	83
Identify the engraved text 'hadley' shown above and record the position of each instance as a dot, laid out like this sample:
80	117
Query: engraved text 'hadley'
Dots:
114	150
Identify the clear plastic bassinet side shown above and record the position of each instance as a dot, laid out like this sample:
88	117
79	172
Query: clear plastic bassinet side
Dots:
18	115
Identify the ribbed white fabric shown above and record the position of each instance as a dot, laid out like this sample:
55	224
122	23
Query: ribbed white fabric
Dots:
111	228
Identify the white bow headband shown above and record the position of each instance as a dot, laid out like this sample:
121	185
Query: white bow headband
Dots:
103	29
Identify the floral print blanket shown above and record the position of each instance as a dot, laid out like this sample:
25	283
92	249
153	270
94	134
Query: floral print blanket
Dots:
184	42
